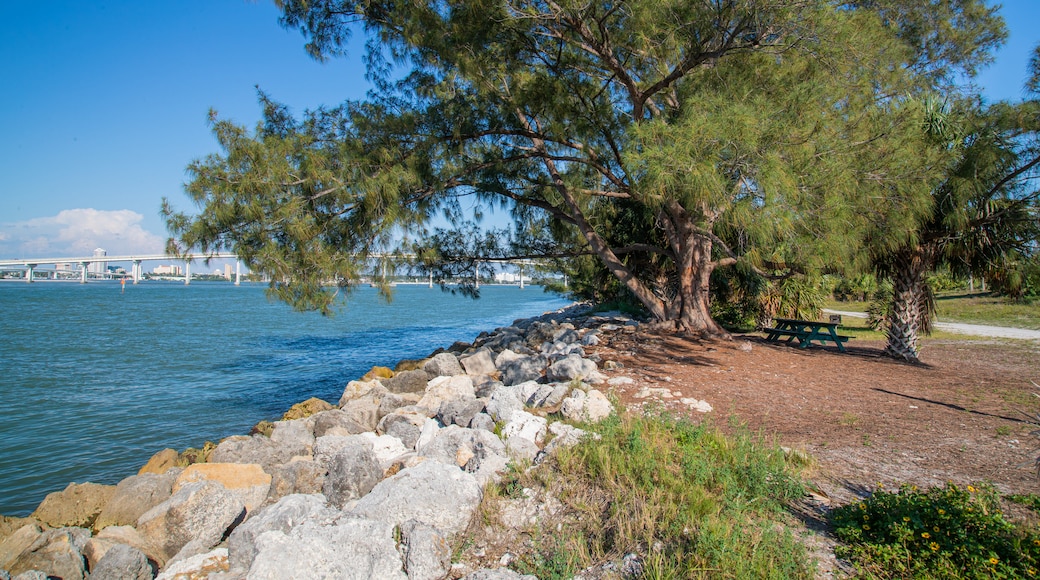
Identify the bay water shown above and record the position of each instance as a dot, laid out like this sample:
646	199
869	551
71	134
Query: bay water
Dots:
94	378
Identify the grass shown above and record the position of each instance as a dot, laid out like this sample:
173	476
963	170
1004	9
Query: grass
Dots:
688	500
969	308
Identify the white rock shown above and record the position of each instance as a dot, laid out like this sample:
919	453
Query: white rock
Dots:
697	405
526	426
592	407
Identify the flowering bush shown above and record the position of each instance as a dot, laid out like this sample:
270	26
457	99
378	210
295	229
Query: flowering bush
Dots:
942	532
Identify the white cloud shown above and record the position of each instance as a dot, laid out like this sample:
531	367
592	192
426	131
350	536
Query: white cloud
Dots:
77	232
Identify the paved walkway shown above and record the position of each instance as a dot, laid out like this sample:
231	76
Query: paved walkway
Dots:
959	328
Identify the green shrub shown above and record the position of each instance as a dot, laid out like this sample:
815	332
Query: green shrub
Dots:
942	532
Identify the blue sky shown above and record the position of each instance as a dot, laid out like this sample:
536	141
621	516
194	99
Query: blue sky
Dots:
104	103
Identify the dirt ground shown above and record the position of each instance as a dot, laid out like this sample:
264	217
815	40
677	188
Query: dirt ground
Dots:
864	419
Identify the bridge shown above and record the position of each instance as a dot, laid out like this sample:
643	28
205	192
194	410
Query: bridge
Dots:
30	264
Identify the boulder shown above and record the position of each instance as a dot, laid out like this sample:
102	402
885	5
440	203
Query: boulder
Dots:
161	462
503	403
298	476
77	505
202	511
426	554
526	426
55	552
283	516
479	363
484	385
394	401
528	368
357	548
482	421
405	426
17	542
519	448
205	565
99	545
247	481
358	389
569	368
122	562
427	434
10	525
296	435
476	451
459	411
434	493
386	448
134	496
497	574
365	410
591	338
306	408
592	407
340	421
410	381
447	388
506	358
253	449
444	364
353	471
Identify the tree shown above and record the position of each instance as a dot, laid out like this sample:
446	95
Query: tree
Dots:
755	132
983	213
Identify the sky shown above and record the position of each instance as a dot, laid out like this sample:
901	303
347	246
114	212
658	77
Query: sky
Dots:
103	104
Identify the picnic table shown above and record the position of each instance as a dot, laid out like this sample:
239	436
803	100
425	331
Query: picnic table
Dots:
806	331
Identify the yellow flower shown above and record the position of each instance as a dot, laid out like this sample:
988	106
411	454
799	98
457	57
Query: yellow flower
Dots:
925	535
934	547
1036	542
935	528
994	561
942	511
971	489
1031	571
863	506
866	526
906	519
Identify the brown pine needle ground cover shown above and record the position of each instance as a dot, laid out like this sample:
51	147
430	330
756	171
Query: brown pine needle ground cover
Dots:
866	420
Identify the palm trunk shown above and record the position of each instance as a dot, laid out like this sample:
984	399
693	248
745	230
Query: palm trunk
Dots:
910	313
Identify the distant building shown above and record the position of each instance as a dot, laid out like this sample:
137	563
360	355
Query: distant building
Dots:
167	270
99	267
227	271
65	267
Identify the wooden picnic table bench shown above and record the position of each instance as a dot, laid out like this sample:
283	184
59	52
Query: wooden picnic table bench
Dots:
805	331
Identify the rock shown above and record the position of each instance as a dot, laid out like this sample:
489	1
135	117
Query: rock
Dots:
526	391
565	436
502	404
17	542
591	338
484	385
476	451
427	555
497	574
482	421
436	494
404	426
479	363
528	368
254	449
427	434
386	448
353	472
444	365
408	381
77	505
10	525
283	516
618	381
394	401
161	462
98	546
201	511
336	419
209	564
248	482
299	476
365	410
297	435
696	405
520	448
55	552
377	373
359	549
569	368
447	388
459	411
506	358
592	407
526	426
358	389
306	408
134	496
122	562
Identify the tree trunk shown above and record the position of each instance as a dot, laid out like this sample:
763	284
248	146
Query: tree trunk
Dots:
910	313
692	251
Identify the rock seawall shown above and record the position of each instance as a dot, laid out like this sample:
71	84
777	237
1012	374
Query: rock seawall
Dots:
379	485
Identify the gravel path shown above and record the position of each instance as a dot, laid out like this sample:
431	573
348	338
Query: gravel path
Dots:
960	328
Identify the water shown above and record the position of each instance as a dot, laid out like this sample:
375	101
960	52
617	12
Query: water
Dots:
93	381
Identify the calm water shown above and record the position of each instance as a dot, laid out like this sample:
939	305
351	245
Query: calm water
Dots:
94	381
